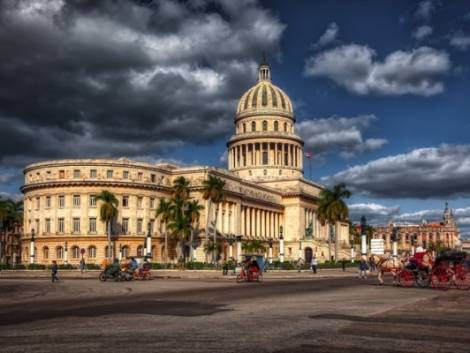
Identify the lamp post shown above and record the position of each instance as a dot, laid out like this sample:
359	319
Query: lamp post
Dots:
148	241
363	236
120	252
194	245
270	254
413	239
239	248
353	255
281	244
66	251
31	249
394	242
230	241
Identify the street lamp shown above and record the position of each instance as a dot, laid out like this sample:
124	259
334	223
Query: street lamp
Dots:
363	236
281	244
66	250
270	242
239	248
31	249
148	241
394	242
230	241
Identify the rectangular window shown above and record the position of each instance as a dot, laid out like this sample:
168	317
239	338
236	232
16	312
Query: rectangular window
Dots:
139	225
152	178
76	173
92	173
125	174
60	225
48	225
92	223
152	202
37	230
139	176
109	174
48	202
76	200
125	201
152	222
125	225
61	174
61	201
92	200
265	158
139	202
38	203
76	225
48	174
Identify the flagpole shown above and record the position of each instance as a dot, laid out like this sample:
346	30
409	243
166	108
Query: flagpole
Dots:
309	155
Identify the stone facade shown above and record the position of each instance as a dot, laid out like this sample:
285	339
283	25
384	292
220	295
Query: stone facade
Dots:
264	184
445	232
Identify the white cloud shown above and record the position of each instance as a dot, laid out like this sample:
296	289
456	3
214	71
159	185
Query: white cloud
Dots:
425	9
338	134
422	32
401	72
329	36
223	158
376	214
437	172
460	41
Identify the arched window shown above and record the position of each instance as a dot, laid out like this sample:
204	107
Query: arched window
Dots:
285	127
108	252
26	254
244	127
154	251
253	126
92	252
45	252
140	250
59	252
75	252
265	125
276	126
125	251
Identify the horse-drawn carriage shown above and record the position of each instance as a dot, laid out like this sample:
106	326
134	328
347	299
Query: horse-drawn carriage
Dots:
449	269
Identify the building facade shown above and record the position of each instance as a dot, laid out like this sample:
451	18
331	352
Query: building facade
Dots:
444	232
267	197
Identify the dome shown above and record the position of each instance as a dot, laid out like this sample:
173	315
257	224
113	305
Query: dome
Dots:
264	97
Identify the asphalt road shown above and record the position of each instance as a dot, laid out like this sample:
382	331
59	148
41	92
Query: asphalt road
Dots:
310	315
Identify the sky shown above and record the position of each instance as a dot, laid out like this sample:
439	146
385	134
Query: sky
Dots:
380	89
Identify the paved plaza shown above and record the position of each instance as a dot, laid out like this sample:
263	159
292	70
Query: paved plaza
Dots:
333	313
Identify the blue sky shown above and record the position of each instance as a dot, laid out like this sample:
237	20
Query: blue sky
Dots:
380	89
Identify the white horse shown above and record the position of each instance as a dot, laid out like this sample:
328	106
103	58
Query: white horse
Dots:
387	264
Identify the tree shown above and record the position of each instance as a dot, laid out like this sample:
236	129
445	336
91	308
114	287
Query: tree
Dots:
108	212
332	209
180	229
213	192
163	212
194	213
254	246
181	188
11	214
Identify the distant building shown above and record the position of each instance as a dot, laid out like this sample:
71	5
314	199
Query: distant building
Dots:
10	246
424	234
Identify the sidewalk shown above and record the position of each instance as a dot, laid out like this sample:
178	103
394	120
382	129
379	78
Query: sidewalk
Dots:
176	274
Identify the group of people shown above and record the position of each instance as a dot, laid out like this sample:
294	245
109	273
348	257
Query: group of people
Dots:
125	265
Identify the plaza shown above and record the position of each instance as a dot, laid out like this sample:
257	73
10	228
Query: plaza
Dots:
304	314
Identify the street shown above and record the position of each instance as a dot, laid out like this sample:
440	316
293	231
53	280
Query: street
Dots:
330	314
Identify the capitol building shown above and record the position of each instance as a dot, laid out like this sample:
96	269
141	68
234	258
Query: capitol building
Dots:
267	197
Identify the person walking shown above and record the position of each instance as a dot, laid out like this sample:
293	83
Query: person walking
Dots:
363	267
314	264
54	269
343	264
372	264
82	265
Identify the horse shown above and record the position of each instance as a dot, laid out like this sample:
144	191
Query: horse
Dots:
387	264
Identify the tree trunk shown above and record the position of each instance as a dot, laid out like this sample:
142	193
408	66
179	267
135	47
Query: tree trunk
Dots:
208	219
329	242
336	242
214	257
166	245
109	254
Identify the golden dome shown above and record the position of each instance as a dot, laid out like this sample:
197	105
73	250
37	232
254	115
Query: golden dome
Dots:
264	97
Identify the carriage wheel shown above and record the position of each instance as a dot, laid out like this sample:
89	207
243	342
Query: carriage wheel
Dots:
260	278
462	277
406	278
441	278
423	279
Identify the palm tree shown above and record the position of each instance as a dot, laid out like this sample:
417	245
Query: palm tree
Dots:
332	209
11	214
253	246
193	212
214	193
180	229
108	212
164	212
181	188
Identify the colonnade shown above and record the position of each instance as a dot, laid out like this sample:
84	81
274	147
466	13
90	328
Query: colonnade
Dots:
259	223
265	153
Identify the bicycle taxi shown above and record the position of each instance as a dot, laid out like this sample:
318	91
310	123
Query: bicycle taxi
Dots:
251	268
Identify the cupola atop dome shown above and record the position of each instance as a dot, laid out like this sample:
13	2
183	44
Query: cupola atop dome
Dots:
265	97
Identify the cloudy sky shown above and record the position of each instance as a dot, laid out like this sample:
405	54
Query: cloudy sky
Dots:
380	89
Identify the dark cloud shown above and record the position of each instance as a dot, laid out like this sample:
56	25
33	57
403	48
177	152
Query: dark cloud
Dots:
438	172
113	78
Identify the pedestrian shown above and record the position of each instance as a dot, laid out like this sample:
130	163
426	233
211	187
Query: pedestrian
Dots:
363	267
225	268
54	269
82	265
343	264
314	264
372	264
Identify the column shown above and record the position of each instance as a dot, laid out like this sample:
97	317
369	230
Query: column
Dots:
248	221
263	223
275	154
242	222
258	223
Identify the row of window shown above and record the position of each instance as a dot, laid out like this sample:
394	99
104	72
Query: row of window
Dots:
93	173
264	127
90	252
77	199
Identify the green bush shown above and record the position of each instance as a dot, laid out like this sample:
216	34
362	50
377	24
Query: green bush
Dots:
194	265
92	266
66	267
36	267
